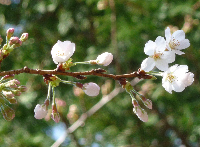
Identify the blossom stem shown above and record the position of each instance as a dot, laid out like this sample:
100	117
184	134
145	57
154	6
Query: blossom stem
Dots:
49	90
155	73
53	99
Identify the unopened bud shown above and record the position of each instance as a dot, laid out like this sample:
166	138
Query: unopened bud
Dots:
14	40
8	94
16	92
141	113
22	88
12	100
10	32
55	115
7	112
24	37
7	77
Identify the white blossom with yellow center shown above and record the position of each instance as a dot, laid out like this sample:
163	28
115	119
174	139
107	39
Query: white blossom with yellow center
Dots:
158	56
177	78
176	41
62	51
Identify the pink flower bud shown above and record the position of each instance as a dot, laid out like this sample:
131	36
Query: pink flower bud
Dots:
7	77
55	115
40	111
91	89
8	94
22	88
16	92
141	113
104	59
7	112
24	37
12	100
10	32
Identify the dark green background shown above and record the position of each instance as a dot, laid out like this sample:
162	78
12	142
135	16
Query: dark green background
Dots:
174	119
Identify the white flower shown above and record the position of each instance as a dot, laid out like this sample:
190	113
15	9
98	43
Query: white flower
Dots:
62	51
104	59
176	41
177	78
40	111
157	55
91	89
141	113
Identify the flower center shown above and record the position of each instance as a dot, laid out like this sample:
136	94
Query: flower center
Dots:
170	77
174	43
157	56
60	53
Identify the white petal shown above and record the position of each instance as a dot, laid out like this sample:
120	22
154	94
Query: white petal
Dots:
179	35
168	56
178	86
168	34
161	44
167	85
185	43
178	52
148	64
162	65
149	48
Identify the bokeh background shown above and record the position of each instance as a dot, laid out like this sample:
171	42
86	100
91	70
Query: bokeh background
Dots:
121	27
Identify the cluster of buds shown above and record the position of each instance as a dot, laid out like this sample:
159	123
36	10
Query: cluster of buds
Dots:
9	89
12	42
141	113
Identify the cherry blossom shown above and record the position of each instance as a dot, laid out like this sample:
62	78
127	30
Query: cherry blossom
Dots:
91	89
62	51
176	41
177	78
40	111
104	59
157	55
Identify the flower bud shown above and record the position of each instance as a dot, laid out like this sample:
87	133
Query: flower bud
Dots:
104	59
10	32
12	100
141	113
24	37
8	94
22	88
91	89
16	92
7	77
14	40
55	115
40	111
7	112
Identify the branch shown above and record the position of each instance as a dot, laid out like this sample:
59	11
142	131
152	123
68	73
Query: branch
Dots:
80	75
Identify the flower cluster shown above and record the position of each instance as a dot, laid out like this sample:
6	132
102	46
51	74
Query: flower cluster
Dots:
11	43
161	53
9	89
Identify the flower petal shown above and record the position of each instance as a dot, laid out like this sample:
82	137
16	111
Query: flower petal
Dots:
148	64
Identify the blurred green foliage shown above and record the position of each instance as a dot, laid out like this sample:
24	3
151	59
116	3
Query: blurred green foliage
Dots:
174	119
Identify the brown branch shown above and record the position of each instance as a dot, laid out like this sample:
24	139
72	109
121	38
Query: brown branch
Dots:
96	72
